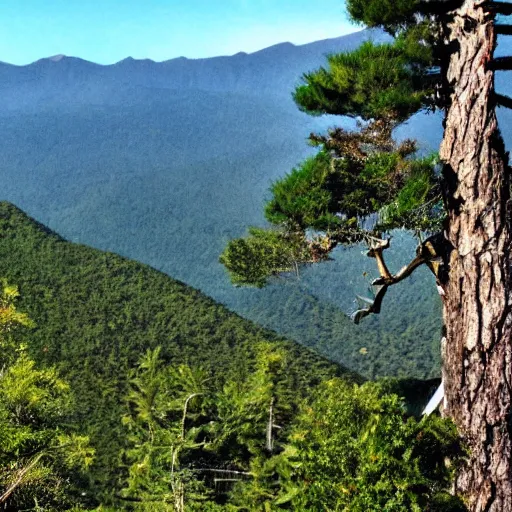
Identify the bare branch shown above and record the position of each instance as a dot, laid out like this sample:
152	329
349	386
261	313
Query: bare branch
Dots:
501	63
503	101
374	308
20	478
376	249
402	274
185	410
431	253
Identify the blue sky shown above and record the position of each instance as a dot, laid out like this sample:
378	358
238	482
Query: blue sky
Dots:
106	31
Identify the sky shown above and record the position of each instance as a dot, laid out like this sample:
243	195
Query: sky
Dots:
106	31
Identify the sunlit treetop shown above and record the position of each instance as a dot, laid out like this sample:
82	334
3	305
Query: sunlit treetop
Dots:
388	13
392	80
375	81
395	16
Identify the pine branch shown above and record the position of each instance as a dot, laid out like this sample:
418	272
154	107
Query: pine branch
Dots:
504	8
502	100
505	30
501	63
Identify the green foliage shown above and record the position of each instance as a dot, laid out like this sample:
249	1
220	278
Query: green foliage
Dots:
148	203
353	449
329	199
159	436
184	434
249	409
374	81
398	16
361	185
37	449
12	322
305	198
330	193
172	454
388	13
346	447
417	204
264	253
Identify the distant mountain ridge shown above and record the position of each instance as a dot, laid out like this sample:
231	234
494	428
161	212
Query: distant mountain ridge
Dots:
273	70
327	44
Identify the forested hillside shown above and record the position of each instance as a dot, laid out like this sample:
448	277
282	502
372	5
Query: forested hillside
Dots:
124	387
97	314
164	162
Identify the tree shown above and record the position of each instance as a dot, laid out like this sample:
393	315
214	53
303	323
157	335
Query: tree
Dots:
38	452
353	448
161	402
361	185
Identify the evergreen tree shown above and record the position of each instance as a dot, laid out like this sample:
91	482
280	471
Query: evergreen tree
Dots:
352	448
361	185
161	402
38	453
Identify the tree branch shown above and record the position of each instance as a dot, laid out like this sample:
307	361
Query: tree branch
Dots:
501	63
402	274
185	410
504	8
20	478
502	100
503	29
376	251
432	252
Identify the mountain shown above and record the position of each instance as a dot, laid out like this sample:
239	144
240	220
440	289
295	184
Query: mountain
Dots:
97	313
65	81
164	162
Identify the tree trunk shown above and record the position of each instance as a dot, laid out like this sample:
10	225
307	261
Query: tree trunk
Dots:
477	352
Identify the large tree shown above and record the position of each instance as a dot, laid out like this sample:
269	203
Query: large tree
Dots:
363	184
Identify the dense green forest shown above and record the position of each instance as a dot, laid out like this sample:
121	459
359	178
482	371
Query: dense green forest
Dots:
129	389
97	313
363	351
167	175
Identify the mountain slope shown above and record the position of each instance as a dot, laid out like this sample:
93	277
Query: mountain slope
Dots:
122	307
97	313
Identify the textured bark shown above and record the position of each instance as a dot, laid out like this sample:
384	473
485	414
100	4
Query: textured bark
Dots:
477	365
